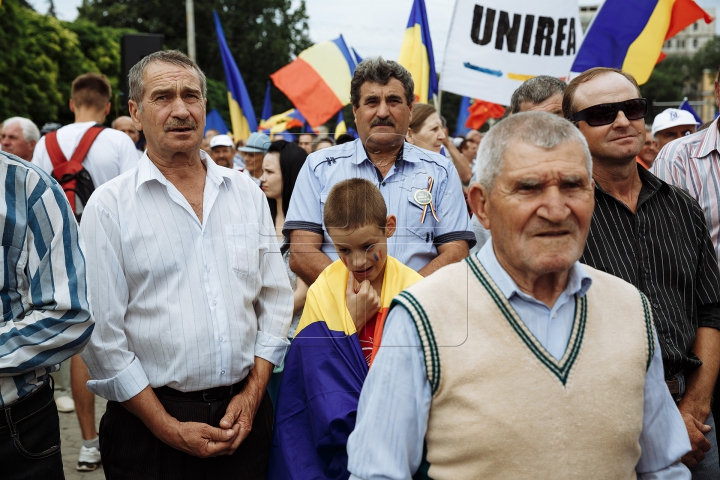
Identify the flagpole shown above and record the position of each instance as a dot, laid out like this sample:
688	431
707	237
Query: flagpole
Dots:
190	19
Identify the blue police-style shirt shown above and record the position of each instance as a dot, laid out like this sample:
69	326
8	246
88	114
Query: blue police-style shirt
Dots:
414	243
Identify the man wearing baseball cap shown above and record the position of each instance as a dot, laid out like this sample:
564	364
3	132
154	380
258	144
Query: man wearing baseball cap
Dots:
672	124
253	153
222	150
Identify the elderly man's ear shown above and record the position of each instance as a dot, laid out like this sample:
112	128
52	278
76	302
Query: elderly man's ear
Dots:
478	197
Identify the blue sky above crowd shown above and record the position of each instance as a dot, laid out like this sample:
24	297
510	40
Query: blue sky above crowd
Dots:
372	27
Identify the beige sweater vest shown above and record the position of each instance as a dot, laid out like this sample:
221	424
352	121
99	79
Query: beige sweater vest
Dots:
503	407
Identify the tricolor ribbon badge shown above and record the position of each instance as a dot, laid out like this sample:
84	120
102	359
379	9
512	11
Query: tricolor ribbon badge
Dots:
425	198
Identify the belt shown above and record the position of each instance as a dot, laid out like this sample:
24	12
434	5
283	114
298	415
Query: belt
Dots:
209	395
673	385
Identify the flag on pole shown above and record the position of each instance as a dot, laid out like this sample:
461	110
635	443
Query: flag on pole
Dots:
463	114
242	114
358	58
630	35
282	121
416	54
267	105
317	82
340	128
685	105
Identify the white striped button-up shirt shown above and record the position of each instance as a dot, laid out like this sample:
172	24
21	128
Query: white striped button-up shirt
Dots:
178	302
693	164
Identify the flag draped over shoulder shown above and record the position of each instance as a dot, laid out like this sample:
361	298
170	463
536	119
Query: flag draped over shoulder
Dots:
242	114
416	54
317	82
630	35
322	378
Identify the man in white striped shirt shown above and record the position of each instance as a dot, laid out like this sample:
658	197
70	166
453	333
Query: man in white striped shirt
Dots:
192	299
692	163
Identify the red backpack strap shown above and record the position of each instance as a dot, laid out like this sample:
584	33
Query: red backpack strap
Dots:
63	167
57	157
85	143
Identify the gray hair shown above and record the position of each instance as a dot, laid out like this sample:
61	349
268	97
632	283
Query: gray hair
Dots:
29	129
135	77
536	90
540	129
377	70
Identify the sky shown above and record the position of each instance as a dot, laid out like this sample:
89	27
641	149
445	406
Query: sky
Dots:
372	27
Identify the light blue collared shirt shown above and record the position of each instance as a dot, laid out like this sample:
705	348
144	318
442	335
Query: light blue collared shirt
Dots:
414	243
388	443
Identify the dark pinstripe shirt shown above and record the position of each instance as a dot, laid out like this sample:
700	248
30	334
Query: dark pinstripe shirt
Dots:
664	249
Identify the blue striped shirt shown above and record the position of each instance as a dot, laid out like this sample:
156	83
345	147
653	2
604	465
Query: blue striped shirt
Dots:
394	407
414	243
46	313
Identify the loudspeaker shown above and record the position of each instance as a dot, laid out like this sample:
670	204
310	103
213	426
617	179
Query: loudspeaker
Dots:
133	47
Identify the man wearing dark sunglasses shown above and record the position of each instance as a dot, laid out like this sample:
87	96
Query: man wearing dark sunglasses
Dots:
654	236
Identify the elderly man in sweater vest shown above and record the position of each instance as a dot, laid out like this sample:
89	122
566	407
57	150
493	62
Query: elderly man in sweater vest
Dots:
533	365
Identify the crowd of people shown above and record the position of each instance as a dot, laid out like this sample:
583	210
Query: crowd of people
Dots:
539	301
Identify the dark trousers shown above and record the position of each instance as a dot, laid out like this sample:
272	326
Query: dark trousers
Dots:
30	437
130	451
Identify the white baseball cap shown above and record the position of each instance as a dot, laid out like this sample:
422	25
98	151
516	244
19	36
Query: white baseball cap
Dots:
672	117
221	141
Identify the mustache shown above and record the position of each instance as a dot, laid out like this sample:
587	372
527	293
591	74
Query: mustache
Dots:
178	123
382	122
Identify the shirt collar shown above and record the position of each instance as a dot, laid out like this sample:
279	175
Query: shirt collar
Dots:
148	171
361	154
711	140
650	184
579	281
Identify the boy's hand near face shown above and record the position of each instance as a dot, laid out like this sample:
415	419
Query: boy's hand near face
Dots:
362	301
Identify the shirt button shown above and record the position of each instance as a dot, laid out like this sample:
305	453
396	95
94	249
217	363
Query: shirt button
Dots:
222	372
656	305
207	269
214	302
554	315
221	339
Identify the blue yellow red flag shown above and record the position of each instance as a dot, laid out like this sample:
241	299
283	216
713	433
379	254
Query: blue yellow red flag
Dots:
340	128
416	54
323	374
267	105
317	82
242	114
630	35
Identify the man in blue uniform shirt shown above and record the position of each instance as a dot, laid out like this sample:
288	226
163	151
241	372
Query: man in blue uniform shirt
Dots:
421	188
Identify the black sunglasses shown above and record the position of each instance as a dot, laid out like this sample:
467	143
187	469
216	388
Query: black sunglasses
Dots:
605	113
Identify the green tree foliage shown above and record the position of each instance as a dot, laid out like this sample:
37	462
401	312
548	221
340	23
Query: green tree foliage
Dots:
42	56
263	36
669	81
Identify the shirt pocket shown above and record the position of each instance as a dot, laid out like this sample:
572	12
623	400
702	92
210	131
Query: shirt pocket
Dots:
425	232
242	248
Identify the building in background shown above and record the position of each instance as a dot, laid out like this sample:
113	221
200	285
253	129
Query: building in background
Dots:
692	38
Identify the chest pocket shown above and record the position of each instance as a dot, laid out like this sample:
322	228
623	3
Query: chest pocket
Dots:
425	231
241	243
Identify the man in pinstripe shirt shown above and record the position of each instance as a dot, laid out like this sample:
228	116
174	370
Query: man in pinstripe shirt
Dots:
654	236
46	315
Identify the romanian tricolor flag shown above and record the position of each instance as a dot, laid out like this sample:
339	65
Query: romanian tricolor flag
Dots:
324	372
416	54
630	34
242	114
318	81
340	128
282	121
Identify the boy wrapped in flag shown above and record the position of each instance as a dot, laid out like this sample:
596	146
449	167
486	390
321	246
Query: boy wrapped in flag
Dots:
338	336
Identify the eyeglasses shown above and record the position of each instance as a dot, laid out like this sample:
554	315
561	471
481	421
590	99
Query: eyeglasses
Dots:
606	113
